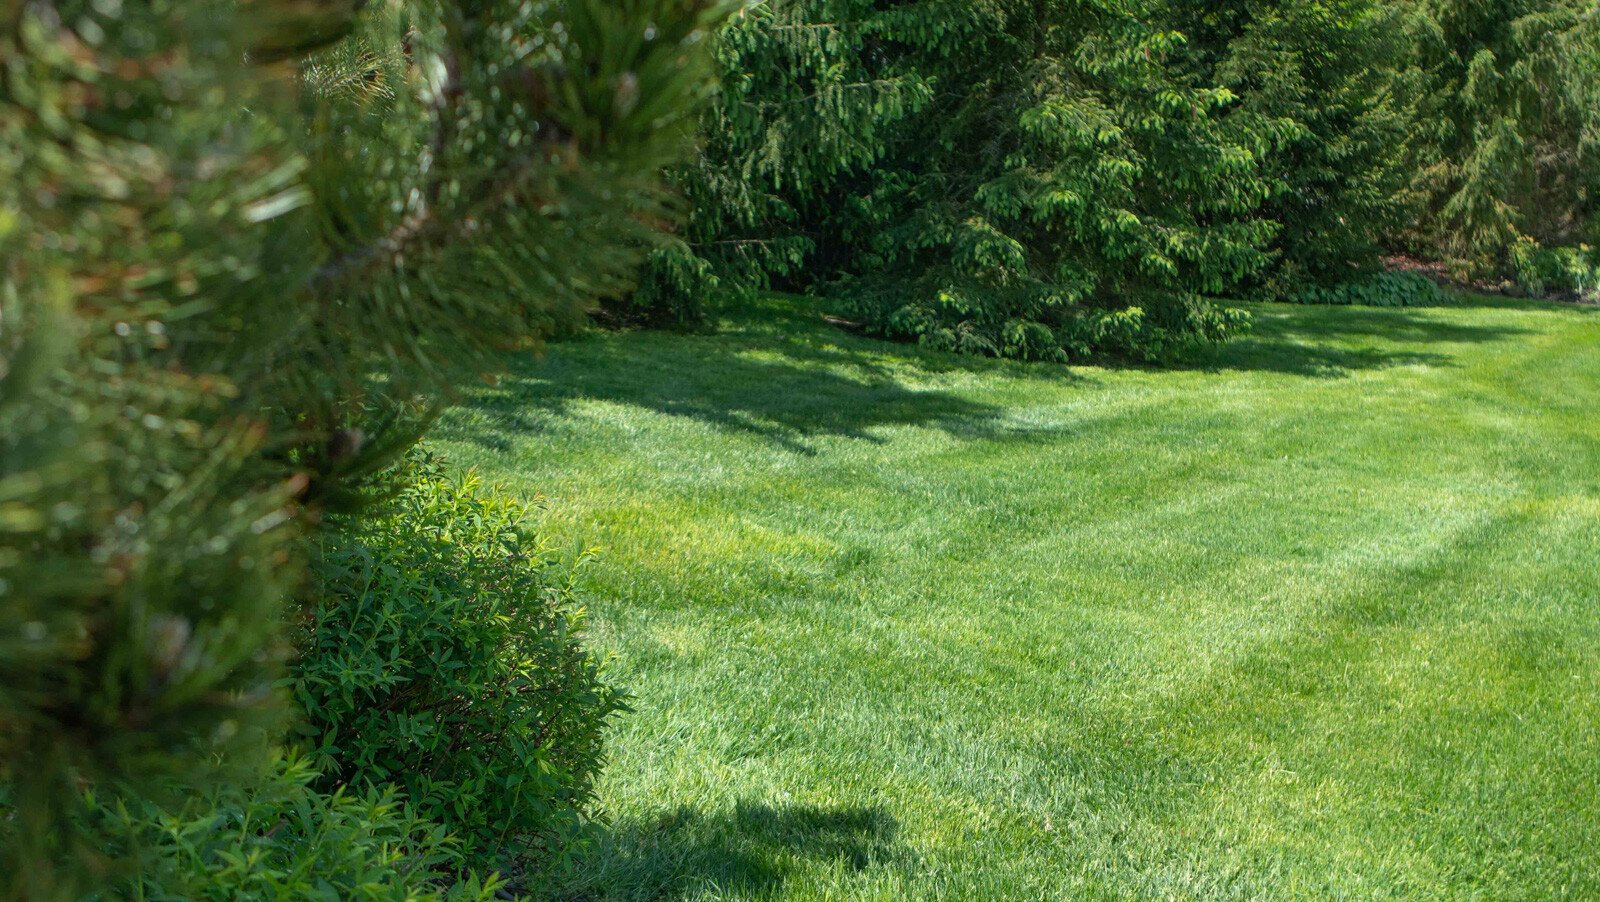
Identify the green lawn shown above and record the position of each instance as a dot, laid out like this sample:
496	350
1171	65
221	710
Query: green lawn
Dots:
1317	615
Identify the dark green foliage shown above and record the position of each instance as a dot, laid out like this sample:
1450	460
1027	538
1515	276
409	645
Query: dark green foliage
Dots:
229	294
1381	289
998	177
670	293
1505	143
1314	82
1047	180
444	658
1076	199
803	107
1559	272
284	839
1160	154
1042	180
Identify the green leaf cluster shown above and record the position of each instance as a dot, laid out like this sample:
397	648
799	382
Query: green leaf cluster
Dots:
1572	272
443	656
1380	289
283	838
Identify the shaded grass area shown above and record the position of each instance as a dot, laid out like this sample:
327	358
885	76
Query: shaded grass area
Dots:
1314	615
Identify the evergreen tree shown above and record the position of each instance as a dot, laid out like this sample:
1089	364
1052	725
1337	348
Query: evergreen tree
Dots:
1505	146
1315	82
1075	197
1001	177
231	293
1047	179
802	108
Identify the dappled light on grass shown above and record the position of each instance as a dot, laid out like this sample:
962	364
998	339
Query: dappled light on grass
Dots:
1317	610
748	379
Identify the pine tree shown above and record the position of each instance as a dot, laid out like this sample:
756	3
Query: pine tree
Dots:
1025	179
802	108
1505	146
1315	82
1076	198
235	285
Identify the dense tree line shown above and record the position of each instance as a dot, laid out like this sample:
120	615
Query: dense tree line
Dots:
1054	179
1504	146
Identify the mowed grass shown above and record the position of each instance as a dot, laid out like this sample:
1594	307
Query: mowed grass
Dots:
1314	616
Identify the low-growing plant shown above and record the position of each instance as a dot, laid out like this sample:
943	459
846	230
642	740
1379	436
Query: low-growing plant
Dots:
1382	289
286	839
443	656
1557	271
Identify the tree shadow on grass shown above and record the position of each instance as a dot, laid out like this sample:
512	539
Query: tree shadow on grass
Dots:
1294	339
749	852
1333	342
776	370
1480	300
778	378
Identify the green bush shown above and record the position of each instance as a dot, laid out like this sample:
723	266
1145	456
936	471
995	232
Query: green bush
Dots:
1556	271
285	839
444	658
1384	289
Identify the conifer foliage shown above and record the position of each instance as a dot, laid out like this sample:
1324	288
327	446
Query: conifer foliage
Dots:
1505	148
804	105
1074	198
231	294
1314	82
1043	179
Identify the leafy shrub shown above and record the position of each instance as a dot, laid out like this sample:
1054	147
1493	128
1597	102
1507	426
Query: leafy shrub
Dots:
444	658
1556	271
286	840
1383	289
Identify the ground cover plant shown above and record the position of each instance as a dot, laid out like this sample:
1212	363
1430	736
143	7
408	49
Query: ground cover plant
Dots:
282	838
1380	289
1314	615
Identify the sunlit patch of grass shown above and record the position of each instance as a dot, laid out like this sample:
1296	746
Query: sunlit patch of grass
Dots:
1315	615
